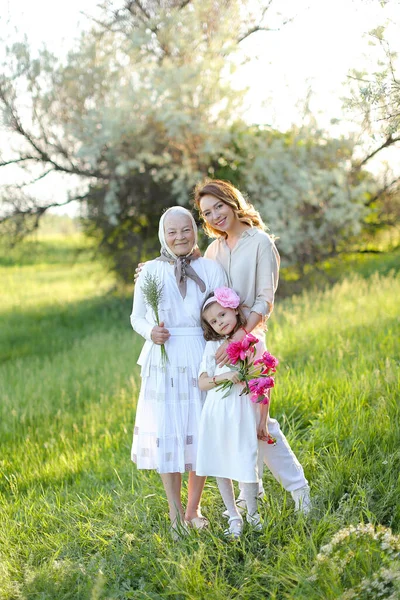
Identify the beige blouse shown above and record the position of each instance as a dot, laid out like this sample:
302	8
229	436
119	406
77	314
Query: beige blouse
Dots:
252	267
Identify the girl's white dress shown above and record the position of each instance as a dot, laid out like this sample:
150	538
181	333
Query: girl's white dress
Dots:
228	445
170	401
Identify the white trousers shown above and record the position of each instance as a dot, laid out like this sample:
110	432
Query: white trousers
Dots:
280	460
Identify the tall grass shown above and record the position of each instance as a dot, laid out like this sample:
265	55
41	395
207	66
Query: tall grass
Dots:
77	520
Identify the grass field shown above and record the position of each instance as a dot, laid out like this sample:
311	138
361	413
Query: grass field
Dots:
77	521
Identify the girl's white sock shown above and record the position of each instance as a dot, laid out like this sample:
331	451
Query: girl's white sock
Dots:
261	491
250	493
225	487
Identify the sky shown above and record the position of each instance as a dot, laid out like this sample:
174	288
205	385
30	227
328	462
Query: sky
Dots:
316	49
313	52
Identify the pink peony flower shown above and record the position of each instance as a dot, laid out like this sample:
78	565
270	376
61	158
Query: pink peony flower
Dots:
261	384
226	297
241	350
249	340
259	388
233	350
259	399
256	379
269	361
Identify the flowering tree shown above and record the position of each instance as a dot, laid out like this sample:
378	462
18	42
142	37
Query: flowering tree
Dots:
303	184
142	109
374	98
132	116
309	196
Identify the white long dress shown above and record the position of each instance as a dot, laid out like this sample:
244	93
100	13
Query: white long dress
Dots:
170	403
228	445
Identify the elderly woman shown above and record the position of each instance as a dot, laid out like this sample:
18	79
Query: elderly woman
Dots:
170	402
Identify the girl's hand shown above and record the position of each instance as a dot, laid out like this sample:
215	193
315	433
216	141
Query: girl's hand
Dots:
159	334
137	271
232	376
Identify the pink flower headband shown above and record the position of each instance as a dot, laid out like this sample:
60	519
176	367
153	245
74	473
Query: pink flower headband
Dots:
225	297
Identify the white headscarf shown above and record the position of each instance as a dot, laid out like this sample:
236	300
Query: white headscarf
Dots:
183	268
165	249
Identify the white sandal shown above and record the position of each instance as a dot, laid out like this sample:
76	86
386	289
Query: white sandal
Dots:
235	528
254	521
178	530
302	500
198	523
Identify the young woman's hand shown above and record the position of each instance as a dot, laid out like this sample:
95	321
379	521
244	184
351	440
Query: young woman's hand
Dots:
262	432
159	334
137	271
262	427
221	357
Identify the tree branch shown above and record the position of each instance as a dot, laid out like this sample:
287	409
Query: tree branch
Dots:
253	30
262	28
35	180
42	153
382	191
39	210
360	79
19	160
141	8
390	140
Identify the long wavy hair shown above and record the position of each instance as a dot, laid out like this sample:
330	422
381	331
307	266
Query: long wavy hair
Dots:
228	194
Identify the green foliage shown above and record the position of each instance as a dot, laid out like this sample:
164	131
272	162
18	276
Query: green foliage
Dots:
77	520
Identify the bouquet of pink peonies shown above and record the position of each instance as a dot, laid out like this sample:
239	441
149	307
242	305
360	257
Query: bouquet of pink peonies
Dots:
255	374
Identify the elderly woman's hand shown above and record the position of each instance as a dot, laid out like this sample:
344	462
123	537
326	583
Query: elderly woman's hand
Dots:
159	334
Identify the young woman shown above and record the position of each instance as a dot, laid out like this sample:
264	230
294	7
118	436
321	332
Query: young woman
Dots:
170	401
251	262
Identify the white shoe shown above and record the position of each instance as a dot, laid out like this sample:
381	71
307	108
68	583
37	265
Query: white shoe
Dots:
235	528
254	521
302	500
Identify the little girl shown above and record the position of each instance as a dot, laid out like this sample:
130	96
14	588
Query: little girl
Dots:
229	426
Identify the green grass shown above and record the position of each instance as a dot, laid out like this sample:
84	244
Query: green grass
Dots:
77	520
382	254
